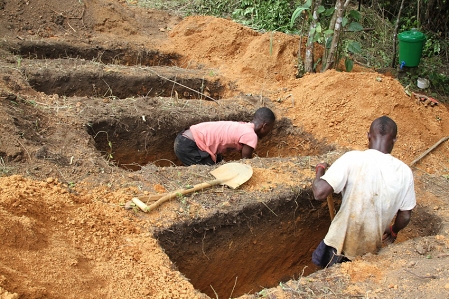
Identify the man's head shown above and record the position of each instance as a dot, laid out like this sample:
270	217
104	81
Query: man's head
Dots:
382	134
263	121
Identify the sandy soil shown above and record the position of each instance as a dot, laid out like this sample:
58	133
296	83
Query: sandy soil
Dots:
93	85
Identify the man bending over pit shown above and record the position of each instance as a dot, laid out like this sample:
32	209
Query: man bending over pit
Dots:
204	143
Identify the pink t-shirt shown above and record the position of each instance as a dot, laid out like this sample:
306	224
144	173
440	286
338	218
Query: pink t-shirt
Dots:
217	137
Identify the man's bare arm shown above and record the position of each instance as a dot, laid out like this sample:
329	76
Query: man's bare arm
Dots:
401	221
247	152
321	189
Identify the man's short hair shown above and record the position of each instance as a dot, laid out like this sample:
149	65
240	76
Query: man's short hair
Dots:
264	115
385	125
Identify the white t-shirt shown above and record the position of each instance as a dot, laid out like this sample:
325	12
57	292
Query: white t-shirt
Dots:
374	187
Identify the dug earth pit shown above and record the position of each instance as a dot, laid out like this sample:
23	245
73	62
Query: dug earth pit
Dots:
268	240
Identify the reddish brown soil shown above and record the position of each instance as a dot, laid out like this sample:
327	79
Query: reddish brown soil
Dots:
63	229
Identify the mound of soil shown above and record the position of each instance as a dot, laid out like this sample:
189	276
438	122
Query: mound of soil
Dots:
92	94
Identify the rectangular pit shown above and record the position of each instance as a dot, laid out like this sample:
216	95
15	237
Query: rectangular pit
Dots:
231	254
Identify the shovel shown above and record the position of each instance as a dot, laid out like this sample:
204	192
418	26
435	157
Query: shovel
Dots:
230	174
330	204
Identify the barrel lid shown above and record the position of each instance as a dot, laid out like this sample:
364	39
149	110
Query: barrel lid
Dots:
411	36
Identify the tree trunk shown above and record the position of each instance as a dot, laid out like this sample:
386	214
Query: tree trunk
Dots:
308	59
429	8
340	9
333	19
395	34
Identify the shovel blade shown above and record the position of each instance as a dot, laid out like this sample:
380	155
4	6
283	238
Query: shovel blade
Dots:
233	174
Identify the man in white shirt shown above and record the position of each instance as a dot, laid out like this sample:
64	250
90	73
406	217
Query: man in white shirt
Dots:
375	188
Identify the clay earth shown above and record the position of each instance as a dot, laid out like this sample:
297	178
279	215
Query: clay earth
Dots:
92	95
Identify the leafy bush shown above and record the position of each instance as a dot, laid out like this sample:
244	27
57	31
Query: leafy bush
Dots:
265	15
218	8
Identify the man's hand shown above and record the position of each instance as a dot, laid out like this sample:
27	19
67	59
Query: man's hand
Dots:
321	165
402	219
389	236
321	189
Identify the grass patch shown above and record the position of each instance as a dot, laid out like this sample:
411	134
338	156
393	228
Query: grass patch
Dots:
5	170
178	7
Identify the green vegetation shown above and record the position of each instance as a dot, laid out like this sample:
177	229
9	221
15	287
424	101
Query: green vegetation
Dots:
180	7
4	170
366	38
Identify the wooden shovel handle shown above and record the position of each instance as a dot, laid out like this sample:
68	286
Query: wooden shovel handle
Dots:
429	150
140	204
330	204
155	197
182	192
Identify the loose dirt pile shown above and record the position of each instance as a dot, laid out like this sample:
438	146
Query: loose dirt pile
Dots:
64	232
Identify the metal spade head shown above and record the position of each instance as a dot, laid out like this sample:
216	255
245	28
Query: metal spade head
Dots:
233	174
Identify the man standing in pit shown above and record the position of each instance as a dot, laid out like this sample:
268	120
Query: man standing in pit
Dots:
204	143
375	188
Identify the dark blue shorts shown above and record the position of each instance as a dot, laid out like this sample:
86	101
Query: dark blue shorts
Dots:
188	152
325	256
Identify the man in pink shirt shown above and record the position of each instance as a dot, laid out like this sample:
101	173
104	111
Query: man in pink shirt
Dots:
204	143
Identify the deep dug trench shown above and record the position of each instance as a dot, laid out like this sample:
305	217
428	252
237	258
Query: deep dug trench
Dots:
240	252
258	245
133	140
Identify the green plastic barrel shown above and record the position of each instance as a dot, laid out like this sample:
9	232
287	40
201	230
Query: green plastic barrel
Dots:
410	47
